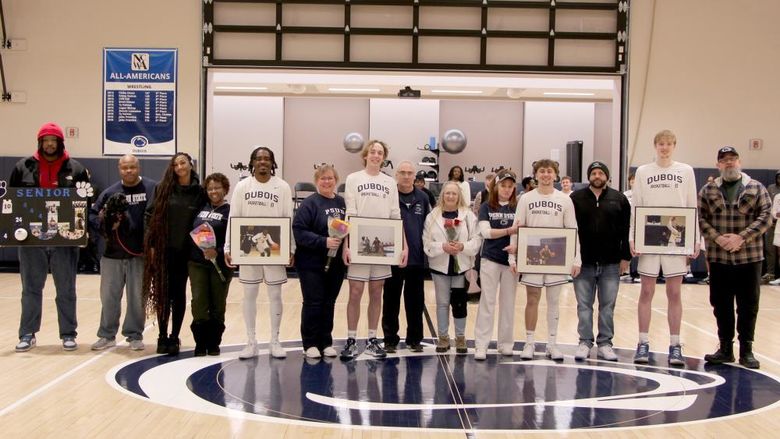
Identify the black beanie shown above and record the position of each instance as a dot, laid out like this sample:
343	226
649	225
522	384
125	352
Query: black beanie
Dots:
598	165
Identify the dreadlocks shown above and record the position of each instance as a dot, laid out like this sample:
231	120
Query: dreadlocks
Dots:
155	283
252	159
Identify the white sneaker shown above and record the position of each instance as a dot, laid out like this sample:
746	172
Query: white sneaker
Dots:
103	343
480	354
553	352
528	351
775	282
136	345
506	351
277	351
313	352
330	351
249	351
583	352
607	353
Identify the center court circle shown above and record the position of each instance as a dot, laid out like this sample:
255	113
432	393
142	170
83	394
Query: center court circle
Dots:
449	392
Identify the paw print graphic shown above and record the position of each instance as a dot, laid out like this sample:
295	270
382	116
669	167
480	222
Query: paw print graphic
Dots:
84	189
3	189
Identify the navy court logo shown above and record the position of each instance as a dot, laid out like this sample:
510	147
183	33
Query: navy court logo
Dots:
448	391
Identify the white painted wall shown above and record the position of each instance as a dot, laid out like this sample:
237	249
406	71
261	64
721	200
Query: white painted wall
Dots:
61	69
405	125
549	125
707	70
241	123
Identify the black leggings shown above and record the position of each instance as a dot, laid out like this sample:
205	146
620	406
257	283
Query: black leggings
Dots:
176	304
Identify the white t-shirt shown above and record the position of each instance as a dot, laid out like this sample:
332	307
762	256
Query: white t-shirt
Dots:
672	186
552	210
373	196
254	199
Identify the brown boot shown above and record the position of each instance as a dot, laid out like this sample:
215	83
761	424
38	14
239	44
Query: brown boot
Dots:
460	344
443	345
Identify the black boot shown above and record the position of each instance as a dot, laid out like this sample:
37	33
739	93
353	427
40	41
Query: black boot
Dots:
162	344
173	345
724	354
216	329
200	332
746	357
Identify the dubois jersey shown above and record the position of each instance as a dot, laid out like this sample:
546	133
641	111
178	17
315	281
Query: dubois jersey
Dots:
673	186
371	195
552	210
254	199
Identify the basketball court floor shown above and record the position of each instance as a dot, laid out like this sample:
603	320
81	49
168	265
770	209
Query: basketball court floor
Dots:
118	393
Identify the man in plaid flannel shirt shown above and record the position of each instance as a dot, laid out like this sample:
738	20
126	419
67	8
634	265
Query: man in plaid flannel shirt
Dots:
734	213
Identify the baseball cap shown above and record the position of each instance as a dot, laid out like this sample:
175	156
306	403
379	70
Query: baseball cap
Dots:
505	174
727	150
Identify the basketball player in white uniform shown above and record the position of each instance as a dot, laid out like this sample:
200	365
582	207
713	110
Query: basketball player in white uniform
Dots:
262	195
544	206
666	183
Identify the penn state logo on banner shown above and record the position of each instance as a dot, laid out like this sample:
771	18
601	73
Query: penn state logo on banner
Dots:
33	216
448	392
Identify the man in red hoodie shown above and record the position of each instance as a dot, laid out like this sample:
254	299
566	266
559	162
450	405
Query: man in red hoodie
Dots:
49	167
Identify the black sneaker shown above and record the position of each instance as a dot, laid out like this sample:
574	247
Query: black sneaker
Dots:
162	344
350	350
390	348
374	348
417	347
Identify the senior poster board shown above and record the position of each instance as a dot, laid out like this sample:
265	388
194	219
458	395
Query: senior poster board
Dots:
139	101
35	217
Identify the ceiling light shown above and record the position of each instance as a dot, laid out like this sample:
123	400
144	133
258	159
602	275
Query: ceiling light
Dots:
561	93
354	90
462	92
239	88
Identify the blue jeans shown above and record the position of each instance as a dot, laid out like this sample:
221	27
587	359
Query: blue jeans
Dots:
607	279
34	265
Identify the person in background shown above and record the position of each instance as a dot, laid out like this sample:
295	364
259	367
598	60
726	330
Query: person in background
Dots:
528	183
633	274
484	194
177	199
419	183
603	216
49	167
209	288
496	226
451	240
653	188
734	213
566	185
411	278
261	195
770	250
122	262
319	286
456	174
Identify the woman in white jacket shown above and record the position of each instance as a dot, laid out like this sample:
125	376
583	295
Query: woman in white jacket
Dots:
451	240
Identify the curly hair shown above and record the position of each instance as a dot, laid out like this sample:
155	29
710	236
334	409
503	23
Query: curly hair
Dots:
155	282
217	177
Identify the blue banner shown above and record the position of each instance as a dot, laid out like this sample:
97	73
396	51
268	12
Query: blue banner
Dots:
139	101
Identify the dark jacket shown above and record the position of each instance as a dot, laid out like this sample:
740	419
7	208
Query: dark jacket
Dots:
310	229
26	173
183	206
603	225
130	234
413	216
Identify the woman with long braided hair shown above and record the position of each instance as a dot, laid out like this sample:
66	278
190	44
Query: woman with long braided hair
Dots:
177	199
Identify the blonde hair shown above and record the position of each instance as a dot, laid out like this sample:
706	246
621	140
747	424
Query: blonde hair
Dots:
323	169
461	201
371	143
665	135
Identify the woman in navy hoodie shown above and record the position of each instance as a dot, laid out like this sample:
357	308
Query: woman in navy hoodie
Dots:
320	287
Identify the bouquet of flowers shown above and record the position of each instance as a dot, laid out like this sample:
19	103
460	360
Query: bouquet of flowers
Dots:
337	228
205	238
451	227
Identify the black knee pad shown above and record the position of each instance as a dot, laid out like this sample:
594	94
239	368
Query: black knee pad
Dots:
458	299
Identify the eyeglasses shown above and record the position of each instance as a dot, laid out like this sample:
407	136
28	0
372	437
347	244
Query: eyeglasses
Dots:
729	159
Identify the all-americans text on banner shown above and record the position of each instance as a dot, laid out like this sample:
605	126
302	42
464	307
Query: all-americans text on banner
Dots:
139	101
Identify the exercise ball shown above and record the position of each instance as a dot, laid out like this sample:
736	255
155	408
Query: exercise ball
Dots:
454	141
353	142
